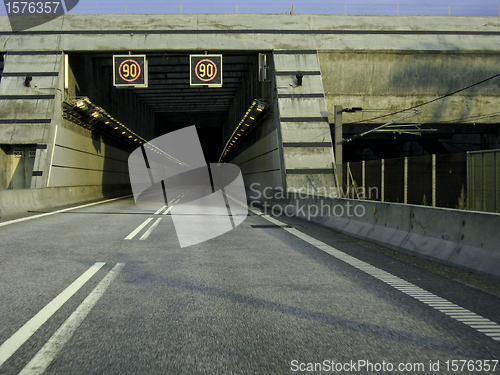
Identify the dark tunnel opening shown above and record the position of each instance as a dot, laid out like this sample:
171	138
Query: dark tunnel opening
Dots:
170	102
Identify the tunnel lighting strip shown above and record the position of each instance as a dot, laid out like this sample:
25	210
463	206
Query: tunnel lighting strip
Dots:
250	118
84	105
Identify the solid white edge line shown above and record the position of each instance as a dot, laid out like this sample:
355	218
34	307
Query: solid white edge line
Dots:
53	346
367	268
138	229
168	210
29	328
150	230
59	211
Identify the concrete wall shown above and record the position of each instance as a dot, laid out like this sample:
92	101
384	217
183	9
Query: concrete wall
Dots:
26	112
81	164
236	32
260	163
464	239
393	80
303	119
29	112
83	158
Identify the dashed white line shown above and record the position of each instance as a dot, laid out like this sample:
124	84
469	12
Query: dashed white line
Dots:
27	330
138	229
150	230
160	210
49	351
167	210
430	299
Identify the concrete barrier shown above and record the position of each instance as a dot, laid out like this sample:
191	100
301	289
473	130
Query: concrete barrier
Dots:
14	202
466	239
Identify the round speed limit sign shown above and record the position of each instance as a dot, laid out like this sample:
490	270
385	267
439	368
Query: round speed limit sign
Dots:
206	70
130	70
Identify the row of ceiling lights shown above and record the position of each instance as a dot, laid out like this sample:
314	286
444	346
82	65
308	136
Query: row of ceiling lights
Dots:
98	115
101	117
250	118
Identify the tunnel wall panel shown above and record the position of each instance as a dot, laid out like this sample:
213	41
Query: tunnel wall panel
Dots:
82	158
260	163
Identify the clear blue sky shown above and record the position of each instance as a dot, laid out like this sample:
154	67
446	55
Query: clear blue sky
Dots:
388	7
463	7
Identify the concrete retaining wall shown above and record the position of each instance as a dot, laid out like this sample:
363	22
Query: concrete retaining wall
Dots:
14	202
465	239
403	79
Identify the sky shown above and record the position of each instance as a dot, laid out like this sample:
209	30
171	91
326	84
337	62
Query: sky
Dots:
365	7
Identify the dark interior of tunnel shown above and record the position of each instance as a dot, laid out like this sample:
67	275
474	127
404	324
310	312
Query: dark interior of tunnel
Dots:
170	102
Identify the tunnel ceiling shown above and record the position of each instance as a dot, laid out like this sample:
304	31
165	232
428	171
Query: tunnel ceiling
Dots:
169	93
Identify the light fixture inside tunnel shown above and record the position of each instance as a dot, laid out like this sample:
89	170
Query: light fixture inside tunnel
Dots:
81	104
250	118
90	116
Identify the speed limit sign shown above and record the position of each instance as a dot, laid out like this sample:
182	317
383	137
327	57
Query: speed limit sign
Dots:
130	70
206	70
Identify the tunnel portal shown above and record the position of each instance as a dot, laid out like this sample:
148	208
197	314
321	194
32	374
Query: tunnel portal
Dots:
170	102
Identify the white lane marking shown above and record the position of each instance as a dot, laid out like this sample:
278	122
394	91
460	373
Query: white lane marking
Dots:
138	229
430	299
59	211
27	330
167	210
151	229
49	351
160	210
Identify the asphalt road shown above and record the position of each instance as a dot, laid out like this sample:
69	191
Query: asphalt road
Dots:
77	297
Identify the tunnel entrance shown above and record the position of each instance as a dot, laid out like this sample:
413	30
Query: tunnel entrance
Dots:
169	102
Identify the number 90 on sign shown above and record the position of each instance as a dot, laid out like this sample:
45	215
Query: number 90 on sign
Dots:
206	70
130	70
